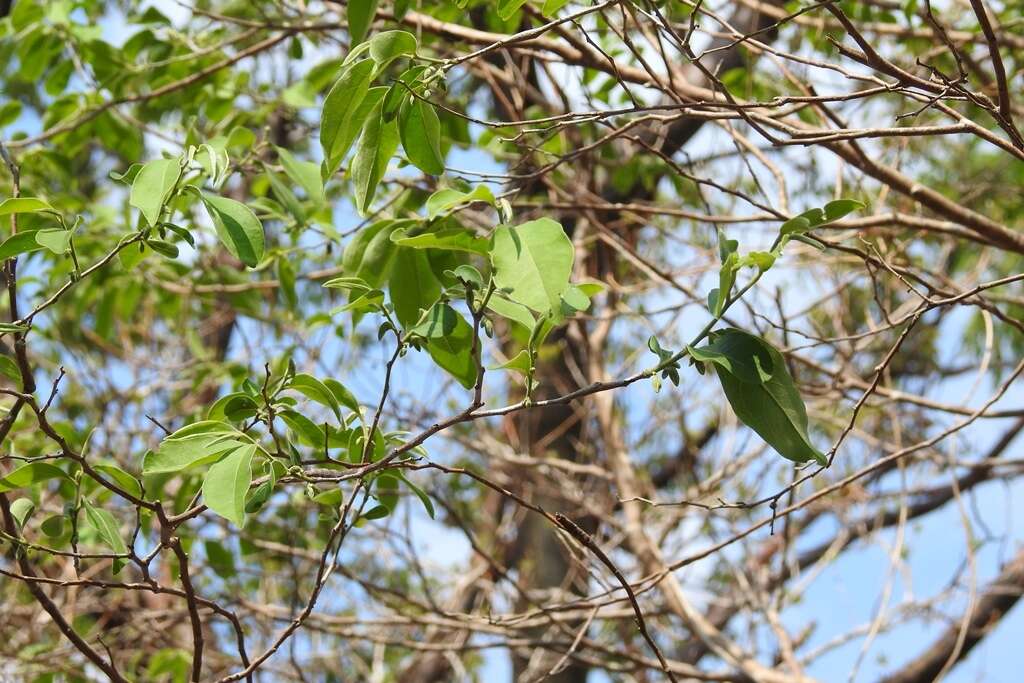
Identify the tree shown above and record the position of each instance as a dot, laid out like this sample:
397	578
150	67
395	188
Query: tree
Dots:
623	341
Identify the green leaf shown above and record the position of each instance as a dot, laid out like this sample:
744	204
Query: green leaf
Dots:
345	109
56	240
377	512
390	45
797	225
368	254
420	131
761	392
109	531
9	112
238	228
762	260
124	480
24	205
449	342
428	505
29	474
53	526
726	278
575	299
13	327
343	395
551	7
400	90
284	195
164	248
837	209
227	483
305	174
413	286
221	561
454	239
360	15
21	510
152	187
377	145
521	363
444	200
307	431
9	369
533	263
315	390
506	8
192	445
19	243
511	310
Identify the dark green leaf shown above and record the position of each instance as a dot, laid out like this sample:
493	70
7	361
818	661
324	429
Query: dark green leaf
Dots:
761	392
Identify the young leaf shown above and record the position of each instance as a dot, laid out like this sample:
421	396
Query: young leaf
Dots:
420	131
152	187
761	392
238	228
533	263
227	483
726	278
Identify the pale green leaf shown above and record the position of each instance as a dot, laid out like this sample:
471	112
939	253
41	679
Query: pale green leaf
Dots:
532	263
152	187
227	483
